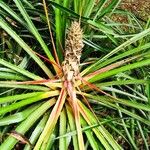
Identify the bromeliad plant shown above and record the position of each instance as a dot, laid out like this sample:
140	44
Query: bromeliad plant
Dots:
88	105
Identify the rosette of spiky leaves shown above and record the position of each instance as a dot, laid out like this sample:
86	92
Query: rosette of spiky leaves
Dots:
38	111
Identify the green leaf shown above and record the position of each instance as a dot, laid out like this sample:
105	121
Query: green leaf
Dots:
27	101
22	128
100	26
102	134
11	76
90	135
12	13
37	131
15	98
19	116
101	101
119	70
6	84
33	29
19	70
72	127
15	36
59	31
62	130
127	53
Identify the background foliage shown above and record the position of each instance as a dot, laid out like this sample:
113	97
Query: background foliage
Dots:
114	71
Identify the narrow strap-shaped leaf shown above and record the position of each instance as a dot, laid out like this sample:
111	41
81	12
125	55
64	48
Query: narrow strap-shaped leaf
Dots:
123	82
33	29
102	134
11	12
37	131
119	70
59	31
19	70
50	125
114	106
22	128
62	130
69	11
11	76
72	127
17	97
28	101
89	135
4	84
89	5
11	32
127	43
98	65
18	117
